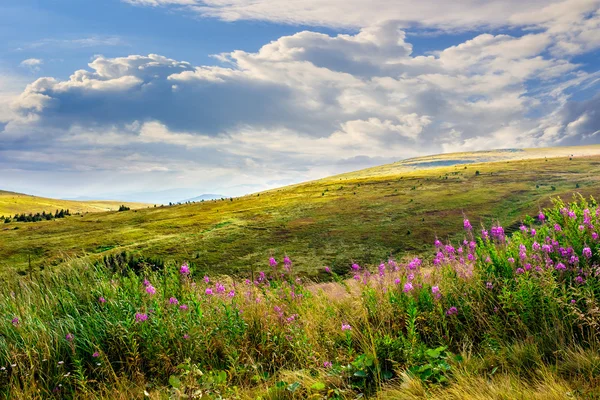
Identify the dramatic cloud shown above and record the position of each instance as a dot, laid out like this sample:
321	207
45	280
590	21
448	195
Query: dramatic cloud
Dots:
311	104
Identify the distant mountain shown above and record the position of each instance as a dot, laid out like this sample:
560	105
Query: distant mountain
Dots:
156	197
204	197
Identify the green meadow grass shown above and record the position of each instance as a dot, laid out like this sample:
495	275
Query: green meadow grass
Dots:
362	217
490	317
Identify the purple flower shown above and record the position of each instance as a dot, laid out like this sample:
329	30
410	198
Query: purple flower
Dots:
173	300
408	287
328	270
467	225
579	279
520	271
533	232
594	236
587	252
346	327
151	290
69	337
571	214
96	354
286	260
541	216
101	300
209	291
560	267
397	281
327	364
219	288
437	243
231	293
452	311
573	301
355	267
141	317
511	260
15	321
272	262
184	270
186	336
183	307
146	282
489	285
557	227
206	279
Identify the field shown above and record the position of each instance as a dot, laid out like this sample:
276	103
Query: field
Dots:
490	316
17	203
364	216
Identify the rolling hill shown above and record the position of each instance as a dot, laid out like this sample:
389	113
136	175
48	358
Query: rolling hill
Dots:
17	203
363	216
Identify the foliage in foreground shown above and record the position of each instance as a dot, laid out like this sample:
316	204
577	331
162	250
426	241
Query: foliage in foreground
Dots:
490	310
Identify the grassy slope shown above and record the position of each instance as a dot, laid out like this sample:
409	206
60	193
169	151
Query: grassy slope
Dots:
363	216
17	203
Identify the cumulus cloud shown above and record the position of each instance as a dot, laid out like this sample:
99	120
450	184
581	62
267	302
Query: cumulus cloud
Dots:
311	104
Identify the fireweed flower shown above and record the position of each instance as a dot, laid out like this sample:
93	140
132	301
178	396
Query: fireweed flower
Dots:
184	270
357	277
557	227
209	291
183	307
595	235
587	252
560	267
146	282
15	321
346	327
272	262
141	317
520	271
101	300
484	234
511	260
327	364
328	270
579	279
541	216
220	288
571	214
533	232
231	293
408	287
355	267
489	285
286	260
173	300
151	290
573	301
435	289
69	337
397	281
437	243
452	311
96	354
467	225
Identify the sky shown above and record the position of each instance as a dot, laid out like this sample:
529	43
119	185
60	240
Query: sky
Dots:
132	99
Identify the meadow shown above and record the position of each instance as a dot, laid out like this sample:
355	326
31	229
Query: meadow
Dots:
17	203
364	217
486	315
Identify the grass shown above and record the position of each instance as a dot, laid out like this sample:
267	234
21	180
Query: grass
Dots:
488	316
16	203
363	216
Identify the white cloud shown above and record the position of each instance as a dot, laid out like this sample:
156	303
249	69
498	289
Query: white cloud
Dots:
310	104
33	64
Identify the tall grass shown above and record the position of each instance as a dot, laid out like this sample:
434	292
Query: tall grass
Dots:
483	318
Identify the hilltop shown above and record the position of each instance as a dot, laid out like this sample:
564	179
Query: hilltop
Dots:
12	203
362	216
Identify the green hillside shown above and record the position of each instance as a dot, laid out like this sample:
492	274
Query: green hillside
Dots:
363	216
17	203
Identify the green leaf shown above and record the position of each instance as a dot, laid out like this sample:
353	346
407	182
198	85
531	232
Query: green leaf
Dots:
174	381
293	386
318	386
361	374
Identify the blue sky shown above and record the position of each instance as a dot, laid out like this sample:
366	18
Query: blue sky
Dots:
123	98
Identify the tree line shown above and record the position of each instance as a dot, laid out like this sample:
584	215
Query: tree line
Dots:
43	216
